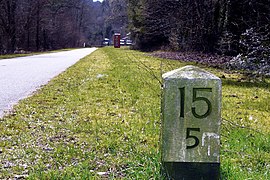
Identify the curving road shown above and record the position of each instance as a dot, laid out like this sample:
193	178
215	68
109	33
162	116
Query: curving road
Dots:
20	77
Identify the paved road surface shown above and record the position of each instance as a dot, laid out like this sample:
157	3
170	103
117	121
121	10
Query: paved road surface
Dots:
20	77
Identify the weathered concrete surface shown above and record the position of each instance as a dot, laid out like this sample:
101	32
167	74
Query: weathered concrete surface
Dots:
20	77
191	111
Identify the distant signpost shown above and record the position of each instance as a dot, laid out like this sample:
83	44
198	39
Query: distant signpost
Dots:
191	111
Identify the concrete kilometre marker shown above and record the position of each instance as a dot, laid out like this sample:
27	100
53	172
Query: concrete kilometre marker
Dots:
191	112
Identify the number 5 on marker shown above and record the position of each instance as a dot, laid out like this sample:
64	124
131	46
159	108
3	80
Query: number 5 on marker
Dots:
197	141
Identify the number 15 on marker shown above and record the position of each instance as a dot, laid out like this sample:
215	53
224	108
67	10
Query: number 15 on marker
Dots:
195	98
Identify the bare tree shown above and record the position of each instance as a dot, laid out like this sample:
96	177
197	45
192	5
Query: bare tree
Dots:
8	24
37	25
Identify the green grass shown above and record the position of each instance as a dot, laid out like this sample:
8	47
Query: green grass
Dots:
100	119
9	56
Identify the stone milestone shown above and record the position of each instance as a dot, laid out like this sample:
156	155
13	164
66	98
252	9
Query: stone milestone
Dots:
191	118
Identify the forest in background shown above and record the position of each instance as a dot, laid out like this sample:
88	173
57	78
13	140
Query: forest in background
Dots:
239	28
39	25
201	25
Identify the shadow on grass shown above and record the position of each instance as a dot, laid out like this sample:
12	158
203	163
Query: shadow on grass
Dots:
247	83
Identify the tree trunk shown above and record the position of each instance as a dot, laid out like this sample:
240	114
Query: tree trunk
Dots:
37	25
11	25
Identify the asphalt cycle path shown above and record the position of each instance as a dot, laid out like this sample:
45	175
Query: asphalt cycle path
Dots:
20	77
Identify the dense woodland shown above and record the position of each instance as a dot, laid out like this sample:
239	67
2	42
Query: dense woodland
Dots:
239	28
226	27
38	25
203	25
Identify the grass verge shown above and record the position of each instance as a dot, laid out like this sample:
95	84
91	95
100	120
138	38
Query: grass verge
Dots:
9	56
101	120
